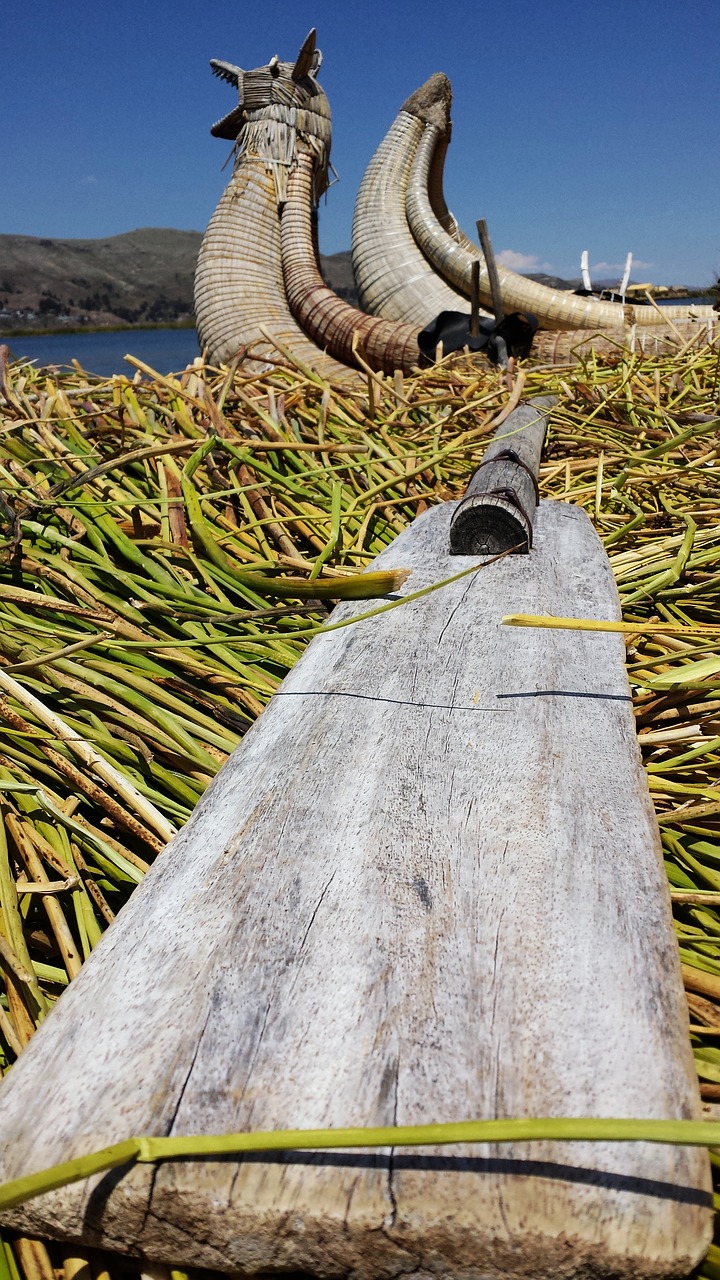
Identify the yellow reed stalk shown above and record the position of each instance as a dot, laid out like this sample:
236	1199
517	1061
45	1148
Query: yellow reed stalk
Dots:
550	623
149	1150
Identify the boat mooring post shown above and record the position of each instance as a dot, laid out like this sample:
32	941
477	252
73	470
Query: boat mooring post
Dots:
496	514
493	280
475	300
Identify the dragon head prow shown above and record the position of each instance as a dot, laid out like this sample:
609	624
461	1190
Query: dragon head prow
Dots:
280	84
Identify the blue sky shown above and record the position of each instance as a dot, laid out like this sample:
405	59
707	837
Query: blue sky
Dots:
576	124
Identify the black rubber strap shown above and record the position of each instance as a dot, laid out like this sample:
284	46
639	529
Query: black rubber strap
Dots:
509	455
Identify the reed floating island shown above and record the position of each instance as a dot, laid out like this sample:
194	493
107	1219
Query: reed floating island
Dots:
427	886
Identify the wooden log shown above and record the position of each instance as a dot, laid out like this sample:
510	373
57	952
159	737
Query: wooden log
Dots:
496	513
428	886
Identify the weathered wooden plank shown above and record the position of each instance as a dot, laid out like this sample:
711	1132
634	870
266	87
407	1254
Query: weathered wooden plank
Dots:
496	512
426	887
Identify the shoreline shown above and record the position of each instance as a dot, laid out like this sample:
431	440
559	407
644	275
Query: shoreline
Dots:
32	332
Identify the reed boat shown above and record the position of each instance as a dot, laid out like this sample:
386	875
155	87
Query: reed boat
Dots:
259	294
407	168
240	302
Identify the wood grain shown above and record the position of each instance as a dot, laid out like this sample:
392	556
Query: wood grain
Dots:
426	887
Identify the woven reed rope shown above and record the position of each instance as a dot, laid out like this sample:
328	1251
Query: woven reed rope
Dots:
394	280
566	346
452	255
326	318
239	289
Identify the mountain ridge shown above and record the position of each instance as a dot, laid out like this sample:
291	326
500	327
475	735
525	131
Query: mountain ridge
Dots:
135	279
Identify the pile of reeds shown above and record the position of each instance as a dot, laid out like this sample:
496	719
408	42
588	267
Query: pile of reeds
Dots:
167	549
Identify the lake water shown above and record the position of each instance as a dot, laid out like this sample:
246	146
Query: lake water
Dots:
165	350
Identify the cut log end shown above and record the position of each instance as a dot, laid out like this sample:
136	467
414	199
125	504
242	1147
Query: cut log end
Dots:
484	525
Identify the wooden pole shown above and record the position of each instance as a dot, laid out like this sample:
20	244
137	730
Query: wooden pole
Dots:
486	244
585	271
496	513
475	300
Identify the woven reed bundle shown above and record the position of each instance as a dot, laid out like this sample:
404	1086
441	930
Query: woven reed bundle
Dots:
388	345
452	255
394	280
436	191
332	323
450	252
569	345
240	301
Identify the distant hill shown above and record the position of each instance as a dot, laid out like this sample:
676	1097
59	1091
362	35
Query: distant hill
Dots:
142	277
138	278
552	282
